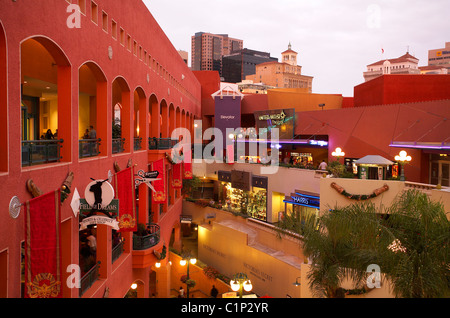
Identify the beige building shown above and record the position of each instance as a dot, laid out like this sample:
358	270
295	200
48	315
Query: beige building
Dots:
440	57
286	74
405	64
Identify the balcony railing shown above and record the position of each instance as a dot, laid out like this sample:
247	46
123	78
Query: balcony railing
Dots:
41	151
89	278
117	145
147	241
88	147
161	143
137	143
117	251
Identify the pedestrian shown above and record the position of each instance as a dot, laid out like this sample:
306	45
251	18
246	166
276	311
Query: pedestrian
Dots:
92	133
214	292
92	242
181	292
86	134
49	134
323	165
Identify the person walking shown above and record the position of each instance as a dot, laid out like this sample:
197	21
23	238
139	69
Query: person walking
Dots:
214	292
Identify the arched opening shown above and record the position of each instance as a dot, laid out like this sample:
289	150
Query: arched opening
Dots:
92	100
3	103
154	126
172	122
121	126
45	102
164	120
136	290
139	117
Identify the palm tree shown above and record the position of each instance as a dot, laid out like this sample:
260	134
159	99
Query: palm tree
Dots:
409	241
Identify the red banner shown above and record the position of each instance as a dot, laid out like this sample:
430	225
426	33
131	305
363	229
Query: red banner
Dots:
187	166
43	246
124	191
177	182
160	193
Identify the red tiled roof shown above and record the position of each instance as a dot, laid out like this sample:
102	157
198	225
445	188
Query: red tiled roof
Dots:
289	51
404	58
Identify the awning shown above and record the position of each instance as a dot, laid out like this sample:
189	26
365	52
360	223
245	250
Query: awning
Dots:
374	160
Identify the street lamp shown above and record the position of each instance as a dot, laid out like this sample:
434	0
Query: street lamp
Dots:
187	260
241	282
402	158
338	153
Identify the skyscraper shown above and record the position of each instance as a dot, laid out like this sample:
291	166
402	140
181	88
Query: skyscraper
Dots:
208	49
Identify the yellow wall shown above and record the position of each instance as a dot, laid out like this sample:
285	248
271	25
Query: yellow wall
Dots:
301	101
83	114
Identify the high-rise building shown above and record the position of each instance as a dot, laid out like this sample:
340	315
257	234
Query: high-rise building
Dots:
440	57
208	49
286	74
236	66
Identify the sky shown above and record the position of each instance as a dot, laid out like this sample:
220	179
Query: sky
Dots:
335	39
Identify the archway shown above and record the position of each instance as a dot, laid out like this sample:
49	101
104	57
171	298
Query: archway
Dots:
92	105
121	100
139	119
46	116
3	103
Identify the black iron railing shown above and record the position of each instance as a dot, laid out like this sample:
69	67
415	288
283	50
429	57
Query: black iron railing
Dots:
88	147
137	143
147	241
41	151
89	278
161	143
117	145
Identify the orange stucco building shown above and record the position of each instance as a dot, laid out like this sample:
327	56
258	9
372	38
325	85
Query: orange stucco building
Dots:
105	64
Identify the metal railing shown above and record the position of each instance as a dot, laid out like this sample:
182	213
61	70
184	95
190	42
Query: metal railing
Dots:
137	143
89	278
117	251
161	143
147	241
88	148
117	145
41	151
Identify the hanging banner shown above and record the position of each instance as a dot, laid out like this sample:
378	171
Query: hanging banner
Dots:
187	166
124	190
159	195
177	182
43	246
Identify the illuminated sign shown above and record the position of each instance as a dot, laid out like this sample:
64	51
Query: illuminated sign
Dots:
303	200
321	143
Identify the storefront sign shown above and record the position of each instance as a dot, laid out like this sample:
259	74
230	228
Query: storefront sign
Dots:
283	119
186	219
99	220
304	200
240	180
112	207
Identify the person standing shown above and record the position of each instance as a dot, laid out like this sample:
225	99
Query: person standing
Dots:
323	165
92	133
214	292
181	292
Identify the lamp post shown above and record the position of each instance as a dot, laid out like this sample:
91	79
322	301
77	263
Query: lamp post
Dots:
241	282
186	260
338	153
402	158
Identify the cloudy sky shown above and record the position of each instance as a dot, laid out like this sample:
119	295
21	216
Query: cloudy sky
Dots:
335	39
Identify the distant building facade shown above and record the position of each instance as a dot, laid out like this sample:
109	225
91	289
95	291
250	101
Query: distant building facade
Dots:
405	64
440	57
237	65
285	74
207	50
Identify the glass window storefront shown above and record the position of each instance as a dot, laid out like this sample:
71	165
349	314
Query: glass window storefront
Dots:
252	203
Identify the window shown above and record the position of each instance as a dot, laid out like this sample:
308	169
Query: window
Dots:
94	12
105	21
114	29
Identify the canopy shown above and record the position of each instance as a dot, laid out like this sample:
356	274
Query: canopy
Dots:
374	160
